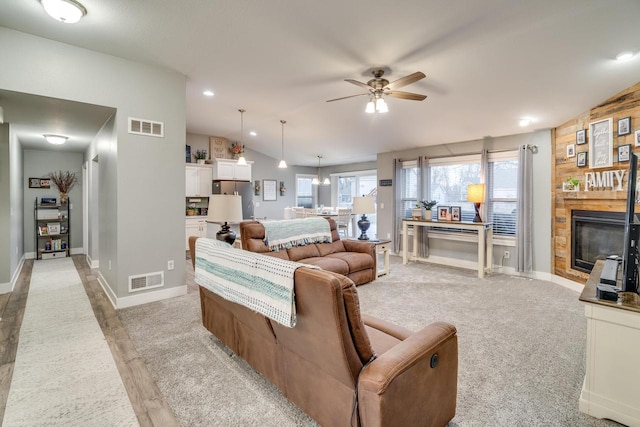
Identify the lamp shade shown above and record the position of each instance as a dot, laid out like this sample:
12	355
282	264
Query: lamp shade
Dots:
364	205
475	193
225	208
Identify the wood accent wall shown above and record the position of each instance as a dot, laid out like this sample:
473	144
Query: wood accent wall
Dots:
624	104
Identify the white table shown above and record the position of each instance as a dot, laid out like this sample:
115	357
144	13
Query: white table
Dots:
485	241
382	248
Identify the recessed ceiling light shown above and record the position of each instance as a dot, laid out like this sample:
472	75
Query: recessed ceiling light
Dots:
207	93
55	139
525	121
253	133
624	56
67	11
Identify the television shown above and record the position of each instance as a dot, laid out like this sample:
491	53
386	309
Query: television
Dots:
631	233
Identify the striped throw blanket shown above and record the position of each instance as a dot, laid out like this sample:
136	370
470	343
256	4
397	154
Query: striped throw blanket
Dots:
261	283
296	232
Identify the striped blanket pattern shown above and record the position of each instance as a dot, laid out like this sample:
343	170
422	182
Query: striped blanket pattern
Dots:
288	233
261	283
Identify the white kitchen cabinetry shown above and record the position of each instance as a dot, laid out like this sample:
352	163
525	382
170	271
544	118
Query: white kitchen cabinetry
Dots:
195	227
231	170
198	180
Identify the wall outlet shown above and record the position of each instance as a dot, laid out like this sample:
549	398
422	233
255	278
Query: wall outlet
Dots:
170	265
381	205
388	235
507	255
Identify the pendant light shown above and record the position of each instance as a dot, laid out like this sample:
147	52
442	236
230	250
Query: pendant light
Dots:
283	164
241	160
316	179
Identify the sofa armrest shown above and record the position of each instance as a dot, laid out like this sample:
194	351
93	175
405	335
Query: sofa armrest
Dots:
388	328
414	382
364	247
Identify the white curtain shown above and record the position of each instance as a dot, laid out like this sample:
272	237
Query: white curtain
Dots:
397	195
524	241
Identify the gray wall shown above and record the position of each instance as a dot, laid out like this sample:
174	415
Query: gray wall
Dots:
541	194
38	164
16	236
136	237
5	208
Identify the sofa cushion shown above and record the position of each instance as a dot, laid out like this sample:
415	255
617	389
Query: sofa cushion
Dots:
330	264
357	261
330	248
299	252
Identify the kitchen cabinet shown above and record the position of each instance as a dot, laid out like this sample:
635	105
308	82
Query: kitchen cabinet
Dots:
195	227
227	169
198	180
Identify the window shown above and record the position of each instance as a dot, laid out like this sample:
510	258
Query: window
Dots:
448	181
409	190
357	184
502	192
305	194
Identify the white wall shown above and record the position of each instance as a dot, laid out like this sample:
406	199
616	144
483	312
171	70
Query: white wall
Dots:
5	208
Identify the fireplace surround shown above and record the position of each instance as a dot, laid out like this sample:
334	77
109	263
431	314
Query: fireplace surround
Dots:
595	235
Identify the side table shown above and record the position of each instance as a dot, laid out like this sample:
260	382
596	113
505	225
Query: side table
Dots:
382	248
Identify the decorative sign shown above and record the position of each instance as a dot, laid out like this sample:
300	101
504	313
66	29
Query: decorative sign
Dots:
385	183
39	183
601	180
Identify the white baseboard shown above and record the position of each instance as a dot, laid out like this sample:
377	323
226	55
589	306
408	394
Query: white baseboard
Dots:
91	262
138	299
10	286
106	288
30	255
76	251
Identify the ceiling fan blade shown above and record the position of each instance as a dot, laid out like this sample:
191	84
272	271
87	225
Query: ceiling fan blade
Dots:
406	95
350	96
407	80
357	83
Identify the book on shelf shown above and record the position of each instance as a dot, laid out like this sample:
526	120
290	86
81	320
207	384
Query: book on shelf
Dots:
43	230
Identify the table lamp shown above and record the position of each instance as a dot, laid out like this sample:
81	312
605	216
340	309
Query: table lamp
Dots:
363	205
475	194
225	208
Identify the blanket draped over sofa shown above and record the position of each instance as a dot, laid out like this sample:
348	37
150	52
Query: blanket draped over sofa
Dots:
296	232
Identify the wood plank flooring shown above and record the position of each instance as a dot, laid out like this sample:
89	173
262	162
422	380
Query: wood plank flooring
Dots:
148	403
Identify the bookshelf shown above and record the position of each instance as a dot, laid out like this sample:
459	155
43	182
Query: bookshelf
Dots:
52	230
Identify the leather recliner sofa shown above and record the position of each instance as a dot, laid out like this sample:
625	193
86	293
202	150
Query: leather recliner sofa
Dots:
334	353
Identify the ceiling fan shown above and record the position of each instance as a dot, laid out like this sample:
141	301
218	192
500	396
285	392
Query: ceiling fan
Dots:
379	87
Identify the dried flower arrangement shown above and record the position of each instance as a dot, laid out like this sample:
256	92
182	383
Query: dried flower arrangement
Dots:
64	180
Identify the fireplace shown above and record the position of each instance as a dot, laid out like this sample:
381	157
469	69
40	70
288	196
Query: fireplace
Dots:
595	235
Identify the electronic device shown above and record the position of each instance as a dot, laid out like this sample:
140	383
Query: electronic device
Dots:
631	233
606	292
609	275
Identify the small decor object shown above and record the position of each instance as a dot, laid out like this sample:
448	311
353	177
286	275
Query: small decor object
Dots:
65	182
188	153
581	137
257	187
54	228
624	153
48	200
637	139
582	159
428	205
416	213
269	193
455	213
218	147
283	189
43	230
601	144
624	126
571	150
571	184
236	149
443	213
200	156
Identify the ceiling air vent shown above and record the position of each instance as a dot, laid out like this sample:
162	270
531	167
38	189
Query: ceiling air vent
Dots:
146	127
146	281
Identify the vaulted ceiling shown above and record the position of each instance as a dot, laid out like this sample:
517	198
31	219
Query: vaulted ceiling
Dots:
488	64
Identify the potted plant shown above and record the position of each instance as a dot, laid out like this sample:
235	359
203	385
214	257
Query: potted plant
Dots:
571	184
427	206
65	182
191	210
200	156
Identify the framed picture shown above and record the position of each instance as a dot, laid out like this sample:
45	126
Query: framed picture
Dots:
54	228
218	147
581	137
571	150
269	188
443	213
637	139
456	213
601	144
582	159
45	183
43	230
624	153
624	126
34	182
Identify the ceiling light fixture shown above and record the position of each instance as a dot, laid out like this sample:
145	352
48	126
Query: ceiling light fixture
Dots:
208	93
253	133
624	56
241	160
55	139
282	164
524	122
67	11
376	104
316	179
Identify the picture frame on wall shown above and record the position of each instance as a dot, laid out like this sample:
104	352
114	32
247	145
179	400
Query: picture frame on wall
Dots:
601	143
637	138
624	126
582	159
443	213
581	137
624	153
456	213
218	147
571	150
269	188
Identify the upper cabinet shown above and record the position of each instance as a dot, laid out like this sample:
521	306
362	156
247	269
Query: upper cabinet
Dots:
198	180
230	169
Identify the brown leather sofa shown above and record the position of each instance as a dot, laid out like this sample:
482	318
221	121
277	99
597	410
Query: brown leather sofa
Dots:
321	363
355	259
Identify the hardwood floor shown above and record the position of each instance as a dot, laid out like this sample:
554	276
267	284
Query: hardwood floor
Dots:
148	403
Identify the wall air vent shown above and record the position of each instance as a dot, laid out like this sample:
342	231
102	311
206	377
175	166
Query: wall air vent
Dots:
146	127
146	281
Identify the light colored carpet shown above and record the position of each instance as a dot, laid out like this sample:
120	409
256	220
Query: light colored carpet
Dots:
64	373
521	350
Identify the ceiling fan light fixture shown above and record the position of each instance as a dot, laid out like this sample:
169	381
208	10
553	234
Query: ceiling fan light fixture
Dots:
67	11
381	106
624	56
282	164
371	107
55	139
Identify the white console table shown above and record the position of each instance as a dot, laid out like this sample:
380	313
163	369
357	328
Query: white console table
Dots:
483	229
611	387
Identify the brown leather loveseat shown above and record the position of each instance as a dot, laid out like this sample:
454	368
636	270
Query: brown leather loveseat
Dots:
354	259
335	355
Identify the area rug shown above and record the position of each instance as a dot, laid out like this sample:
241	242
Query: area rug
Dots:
61	354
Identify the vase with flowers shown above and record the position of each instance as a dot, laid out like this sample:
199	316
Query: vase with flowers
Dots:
236	149
65	181
200	156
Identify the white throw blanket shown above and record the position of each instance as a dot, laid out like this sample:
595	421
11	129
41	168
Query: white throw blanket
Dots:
296	232
259	282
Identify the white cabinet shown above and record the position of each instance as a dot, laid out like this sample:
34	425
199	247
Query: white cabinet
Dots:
195	227
230	169
198	180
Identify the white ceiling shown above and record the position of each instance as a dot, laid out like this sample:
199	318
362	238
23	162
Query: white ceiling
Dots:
488	63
